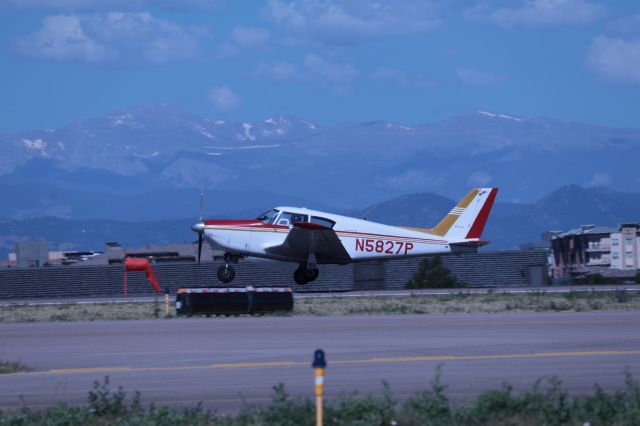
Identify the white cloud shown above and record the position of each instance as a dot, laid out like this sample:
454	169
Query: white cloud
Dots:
414	179
63	38
400	77
279	70
479	178
476	78
338	76
130	38
107	6
538	13
616	59
627	26
243	38
224	99
314	69
600	180
351	22
248	38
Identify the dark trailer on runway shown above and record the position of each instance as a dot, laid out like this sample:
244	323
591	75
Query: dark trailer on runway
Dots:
233	301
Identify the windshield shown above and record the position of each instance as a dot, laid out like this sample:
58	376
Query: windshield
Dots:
268	217
288	219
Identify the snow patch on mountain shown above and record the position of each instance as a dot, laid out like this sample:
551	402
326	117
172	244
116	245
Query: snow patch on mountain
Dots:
244	147
203	131
497	115
125	119
38	144
247	136
400	126
309	125
153	154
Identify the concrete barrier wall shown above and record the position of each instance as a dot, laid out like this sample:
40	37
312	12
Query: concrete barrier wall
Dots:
488	269
476	270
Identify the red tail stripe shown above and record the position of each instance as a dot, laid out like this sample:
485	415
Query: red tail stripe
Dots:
481	220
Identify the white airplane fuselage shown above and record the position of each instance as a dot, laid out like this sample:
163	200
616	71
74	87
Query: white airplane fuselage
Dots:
362	239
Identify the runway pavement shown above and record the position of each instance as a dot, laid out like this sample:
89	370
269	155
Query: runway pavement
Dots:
225	362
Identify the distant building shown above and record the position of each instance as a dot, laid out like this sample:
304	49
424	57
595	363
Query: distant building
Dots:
32	254
592	249
625	244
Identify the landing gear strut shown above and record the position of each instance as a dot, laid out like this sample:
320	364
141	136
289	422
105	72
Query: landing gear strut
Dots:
303	275
226	273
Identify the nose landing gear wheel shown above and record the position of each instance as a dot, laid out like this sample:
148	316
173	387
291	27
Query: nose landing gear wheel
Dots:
300	277
303	276
226	273
312	274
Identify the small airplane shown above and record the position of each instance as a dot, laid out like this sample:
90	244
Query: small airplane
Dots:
311	238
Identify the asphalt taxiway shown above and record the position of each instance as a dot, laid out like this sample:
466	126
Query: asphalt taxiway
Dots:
227	362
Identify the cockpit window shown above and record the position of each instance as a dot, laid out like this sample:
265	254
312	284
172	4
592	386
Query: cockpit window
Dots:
268	217
327	223
287	218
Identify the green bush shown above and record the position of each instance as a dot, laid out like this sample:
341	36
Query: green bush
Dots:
547	403
594	279
10	367
433	274
429	407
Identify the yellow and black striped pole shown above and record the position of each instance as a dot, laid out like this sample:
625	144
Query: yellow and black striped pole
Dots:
319	364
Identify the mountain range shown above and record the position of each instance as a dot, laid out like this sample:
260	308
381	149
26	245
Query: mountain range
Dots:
509	225
135	176
149	162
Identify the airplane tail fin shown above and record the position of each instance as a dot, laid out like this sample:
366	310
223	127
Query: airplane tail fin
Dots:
467	219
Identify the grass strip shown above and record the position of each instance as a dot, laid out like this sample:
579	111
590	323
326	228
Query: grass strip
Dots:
462	302
10	367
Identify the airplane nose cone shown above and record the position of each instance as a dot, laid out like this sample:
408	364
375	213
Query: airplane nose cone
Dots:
198	227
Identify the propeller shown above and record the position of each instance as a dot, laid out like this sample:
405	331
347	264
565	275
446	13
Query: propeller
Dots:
199	227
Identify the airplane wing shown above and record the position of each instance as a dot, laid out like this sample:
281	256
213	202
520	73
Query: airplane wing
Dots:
309	238
467	246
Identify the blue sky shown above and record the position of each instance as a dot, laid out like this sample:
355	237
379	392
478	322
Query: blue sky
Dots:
326	61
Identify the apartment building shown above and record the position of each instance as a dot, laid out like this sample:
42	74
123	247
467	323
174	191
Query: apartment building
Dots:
596	249
625	244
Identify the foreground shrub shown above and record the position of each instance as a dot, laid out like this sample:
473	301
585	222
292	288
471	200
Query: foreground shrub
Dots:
9	367
547	403
433	274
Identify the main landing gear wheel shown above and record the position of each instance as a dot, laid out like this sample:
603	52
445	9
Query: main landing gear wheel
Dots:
226	273
303	276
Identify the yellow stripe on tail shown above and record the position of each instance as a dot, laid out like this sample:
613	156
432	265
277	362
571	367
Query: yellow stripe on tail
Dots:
467	219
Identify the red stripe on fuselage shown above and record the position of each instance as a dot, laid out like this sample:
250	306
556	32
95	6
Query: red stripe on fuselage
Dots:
233	222
256	224
243	223
368	234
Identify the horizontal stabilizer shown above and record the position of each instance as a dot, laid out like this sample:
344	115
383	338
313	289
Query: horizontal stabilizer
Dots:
467	246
